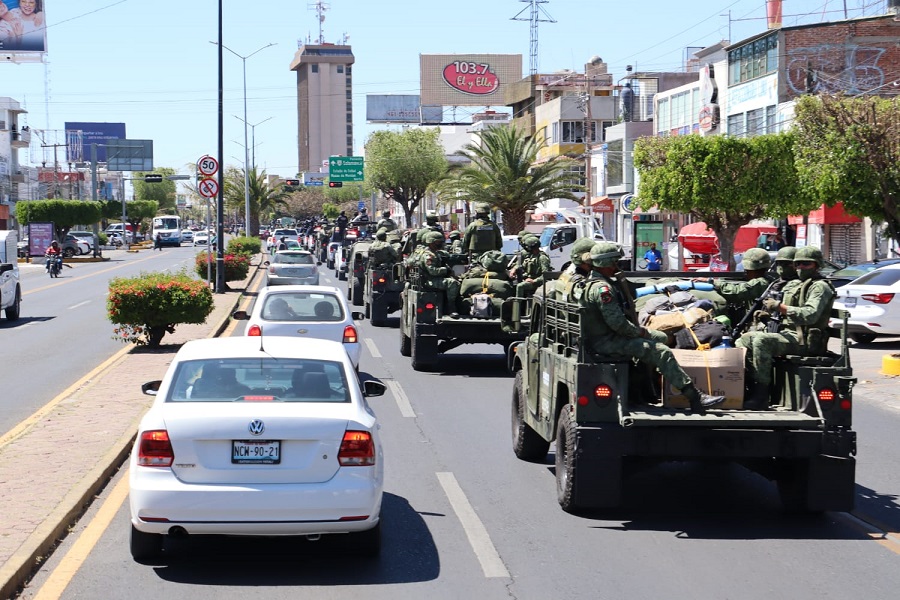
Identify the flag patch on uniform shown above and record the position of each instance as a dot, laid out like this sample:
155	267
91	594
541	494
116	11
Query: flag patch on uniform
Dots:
606	297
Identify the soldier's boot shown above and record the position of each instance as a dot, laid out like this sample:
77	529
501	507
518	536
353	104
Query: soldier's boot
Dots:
700	400
759	397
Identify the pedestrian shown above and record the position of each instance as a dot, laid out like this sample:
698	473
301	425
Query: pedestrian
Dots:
653	258
157	242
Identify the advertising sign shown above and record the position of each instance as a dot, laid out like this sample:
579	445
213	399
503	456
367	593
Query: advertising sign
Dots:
23	27
314	179
80	136
39	237
646	233
397	108
467	79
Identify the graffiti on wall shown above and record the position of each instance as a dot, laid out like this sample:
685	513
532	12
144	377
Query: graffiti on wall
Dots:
834	68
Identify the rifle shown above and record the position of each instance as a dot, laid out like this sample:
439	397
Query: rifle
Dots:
757	304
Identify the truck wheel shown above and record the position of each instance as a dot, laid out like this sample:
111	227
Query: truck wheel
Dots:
12	312
863	338
405	344
146	548
424	352
368	310
357	292
350	293
379	313
566	462
793	485
527	444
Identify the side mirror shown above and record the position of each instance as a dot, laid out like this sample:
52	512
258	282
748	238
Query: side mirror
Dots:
151	387
373	388
358	316
6	267
240	315
266	263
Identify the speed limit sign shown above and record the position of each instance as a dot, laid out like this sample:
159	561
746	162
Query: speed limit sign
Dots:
207	165
208	188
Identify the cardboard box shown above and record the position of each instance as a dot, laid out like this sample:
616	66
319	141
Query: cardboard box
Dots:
726	374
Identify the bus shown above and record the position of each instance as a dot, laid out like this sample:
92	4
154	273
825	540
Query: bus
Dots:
169	229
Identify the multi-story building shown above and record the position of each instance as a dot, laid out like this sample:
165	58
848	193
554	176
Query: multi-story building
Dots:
324	103
13	136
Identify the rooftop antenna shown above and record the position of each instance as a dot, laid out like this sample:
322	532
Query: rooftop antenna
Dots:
535	11
320	8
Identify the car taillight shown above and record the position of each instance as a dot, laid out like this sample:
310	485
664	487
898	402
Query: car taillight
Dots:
878	298
357	449
272	269
155	450
603	391
254	330
350	334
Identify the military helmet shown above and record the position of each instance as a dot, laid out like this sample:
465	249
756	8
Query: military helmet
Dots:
810	253
756	259
434	236
605	254
530	242
455	235
431	217
579	248
381	234
494	260
386	214
482	208
786	253
521	235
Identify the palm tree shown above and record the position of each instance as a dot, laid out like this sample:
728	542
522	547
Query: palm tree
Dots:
505	173
264	200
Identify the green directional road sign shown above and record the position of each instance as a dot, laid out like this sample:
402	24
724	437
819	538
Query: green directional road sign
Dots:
345	168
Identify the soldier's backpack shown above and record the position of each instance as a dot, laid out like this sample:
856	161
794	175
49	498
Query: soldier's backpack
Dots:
482	307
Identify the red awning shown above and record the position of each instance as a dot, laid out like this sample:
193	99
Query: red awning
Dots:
699	239
602	204
60	176
826	215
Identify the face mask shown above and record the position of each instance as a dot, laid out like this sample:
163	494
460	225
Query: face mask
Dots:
804	274
786	271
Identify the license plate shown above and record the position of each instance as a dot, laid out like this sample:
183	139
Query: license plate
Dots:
849	302
256	452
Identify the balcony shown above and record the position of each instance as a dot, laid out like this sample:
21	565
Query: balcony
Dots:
21	139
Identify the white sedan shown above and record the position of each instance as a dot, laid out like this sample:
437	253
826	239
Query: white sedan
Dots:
262	439
307	312
873	302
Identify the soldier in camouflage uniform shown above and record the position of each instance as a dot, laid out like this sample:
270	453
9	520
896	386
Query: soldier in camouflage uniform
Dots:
417	238
610	332
435	275
534	265
381	252
386	222
805	310
482	234
515	263
455	242
756	263
578	269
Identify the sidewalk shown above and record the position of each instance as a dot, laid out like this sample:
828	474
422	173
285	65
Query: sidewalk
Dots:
53	466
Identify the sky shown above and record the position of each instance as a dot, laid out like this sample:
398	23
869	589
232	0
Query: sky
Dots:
153	66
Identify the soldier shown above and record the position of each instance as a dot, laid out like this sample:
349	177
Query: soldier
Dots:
386	222
534	265
381	252
361	219
482	234
417	238
455	242
784	267
578	268
515	264
610	332
805	310
756	263
435	275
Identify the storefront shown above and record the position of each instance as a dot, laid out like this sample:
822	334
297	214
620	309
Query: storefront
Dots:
840	235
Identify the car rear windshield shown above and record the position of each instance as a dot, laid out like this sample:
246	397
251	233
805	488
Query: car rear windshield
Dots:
269	379
294	259
879	277
302	306
285	232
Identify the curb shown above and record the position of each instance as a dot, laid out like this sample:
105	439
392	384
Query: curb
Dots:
20	567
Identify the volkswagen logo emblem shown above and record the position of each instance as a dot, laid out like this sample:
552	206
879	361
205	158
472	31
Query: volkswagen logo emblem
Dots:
303	331
256	427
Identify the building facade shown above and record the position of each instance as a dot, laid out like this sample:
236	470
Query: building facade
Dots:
13	137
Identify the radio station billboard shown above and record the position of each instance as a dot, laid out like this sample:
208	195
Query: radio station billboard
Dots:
23	27
399	108
78	146
467	79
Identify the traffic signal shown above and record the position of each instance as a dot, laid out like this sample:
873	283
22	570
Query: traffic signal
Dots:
292	182
153	178
335	184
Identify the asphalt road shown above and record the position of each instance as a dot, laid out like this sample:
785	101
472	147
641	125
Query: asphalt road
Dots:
465	519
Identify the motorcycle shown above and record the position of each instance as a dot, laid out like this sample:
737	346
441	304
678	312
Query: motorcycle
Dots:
54	265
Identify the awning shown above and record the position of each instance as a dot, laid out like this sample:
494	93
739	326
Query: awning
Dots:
826	215
602	204
699	239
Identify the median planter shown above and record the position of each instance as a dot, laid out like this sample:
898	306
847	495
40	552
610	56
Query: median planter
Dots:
147	307
237	266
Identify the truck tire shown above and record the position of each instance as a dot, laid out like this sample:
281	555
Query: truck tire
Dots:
357	292
350	294
566	462
863	338
527	444
13	310
368	311
424	352
793	485
378	309
405	344
583	479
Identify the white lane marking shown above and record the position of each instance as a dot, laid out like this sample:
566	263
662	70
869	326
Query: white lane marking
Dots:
373	349
403	404
490	560
79	304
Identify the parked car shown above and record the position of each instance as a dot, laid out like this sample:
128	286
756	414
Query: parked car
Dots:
841	277
73	246
304	311
245	438
187	235
87	236
873	302
292	267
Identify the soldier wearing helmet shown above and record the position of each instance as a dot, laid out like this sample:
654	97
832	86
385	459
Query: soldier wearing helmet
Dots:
435	274
386	222
578	268
534	264
610	326
756	263
455	238
381	252
804	311
482	234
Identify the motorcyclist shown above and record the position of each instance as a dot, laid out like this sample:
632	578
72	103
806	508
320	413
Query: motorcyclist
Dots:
54	252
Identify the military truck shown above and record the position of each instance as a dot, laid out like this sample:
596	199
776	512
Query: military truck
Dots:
381	292
606	418
357	261
428	329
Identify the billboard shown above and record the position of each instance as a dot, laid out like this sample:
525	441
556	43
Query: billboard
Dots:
397	108
467	79
78	146
23	27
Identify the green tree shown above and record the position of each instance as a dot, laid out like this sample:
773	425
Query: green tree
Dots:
725	182
138	210
848	149
402	165
504	172
163	192
331	211
64	214
264	200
